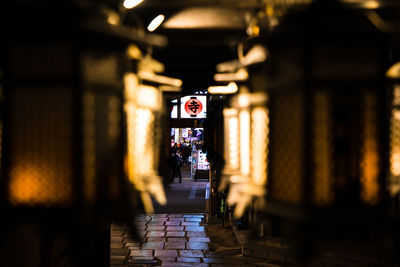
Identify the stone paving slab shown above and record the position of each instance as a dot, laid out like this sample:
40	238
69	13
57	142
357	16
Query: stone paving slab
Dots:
142	253
153	245
193	219
192	260
197	245
191	253
157	223
156	239
131	247
175	228
175	215
157	215
175	245
167	259
196	234
155	234
175	234
177	239
190	223
169	239
166	253
170	223
199	239
194	215
155	228
176	219
173	264
194	228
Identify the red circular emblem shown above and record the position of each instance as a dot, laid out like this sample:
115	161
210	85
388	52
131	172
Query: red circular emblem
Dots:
193	107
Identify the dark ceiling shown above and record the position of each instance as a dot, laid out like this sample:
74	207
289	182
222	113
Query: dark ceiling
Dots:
193	51
202	33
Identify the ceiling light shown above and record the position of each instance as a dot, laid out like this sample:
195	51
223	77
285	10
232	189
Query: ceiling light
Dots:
231	88
131	3
155	23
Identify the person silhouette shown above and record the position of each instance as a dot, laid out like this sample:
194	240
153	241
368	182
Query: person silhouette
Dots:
177	164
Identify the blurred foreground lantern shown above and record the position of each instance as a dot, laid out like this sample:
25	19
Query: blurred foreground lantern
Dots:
245	131
245	149
143	108
63	142
63	131
328	153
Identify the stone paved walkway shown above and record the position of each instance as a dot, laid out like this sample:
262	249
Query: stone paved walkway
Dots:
173	240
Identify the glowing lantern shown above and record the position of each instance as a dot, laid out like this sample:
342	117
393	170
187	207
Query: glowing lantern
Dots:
246	149
143	108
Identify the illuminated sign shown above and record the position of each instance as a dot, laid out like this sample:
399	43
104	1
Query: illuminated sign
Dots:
194	106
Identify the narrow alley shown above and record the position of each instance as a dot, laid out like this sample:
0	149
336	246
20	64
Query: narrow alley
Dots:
179	234
177	240
200	133
185	197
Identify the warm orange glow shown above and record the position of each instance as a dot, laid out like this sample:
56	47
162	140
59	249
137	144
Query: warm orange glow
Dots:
37	185
396	96
370	160
89	147
40	154
394	71
113	18
395	159
371	4
134	52
370	175
323	191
